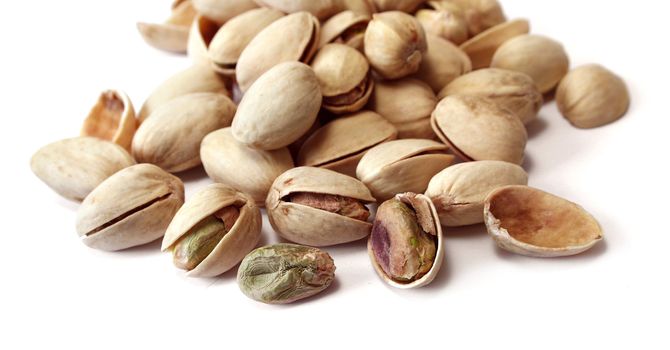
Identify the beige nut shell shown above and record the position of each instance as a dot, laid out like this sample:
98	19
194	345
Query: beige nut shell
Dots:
171	36
200	36
480	14
321	9
222	11
404	100
448	24
332	30
112	118
408	6
482	47
442	63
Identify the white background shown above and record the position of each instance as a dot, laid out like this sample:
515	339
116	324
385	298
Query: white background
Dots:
55	292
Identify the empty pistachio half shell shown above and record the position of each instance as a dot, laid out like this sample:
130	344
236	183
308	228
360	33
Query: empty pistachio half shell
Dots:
112	118
172	35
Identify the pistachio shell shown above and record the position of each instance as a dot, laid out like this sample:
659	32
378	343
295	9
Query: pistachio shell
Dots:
132	207
307	225
363	7
480	14
172	35
417	129
340	144
459	191
446	24
291	38
74	167
250	170
477	128
112	118
392	100
543	59
200	36
222	11
482	47
171	136
235	244
530	222
402	166
347	27
279	108
321	9
442	63
408	6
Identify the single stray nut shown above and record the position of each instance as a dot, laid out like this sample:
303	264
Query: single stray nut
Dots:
442	63
591	96
112	118
284	273
482	47
530	222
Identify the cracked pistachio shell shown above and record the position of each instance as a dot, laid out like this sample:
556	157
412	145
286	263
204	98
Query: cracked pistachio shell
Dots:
344	77
408	6
442	63
459	191
321	9
250	170
200	36
132	207
477	128
340	144
227	45
515	91
364	7
347	27
221	11
279	108
311	226
482	47
74	167
197	78
480	14
112	118
388	245
235	244
172	35
402	166
591	96
527	221
541	58
291	38
446	23
171	136
395	44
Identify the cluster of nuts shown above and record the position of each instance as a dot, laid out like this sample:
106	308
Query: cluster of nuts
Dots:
343	105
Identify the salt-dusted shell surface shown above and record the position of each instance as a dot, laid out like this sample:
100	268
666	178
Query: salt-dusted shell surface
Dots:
112	118
482	47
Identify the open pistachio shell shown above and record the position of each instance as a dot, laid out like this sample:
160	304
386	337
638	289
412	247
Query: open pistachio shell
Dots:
172	35
527	221
242	237
340	144
321	9
408	6
308	225
364	7
479	14
347	27
407	211
442	63
402	166
291	38
250	170
112	118
132	207
448	24
200	36
482	47
221	11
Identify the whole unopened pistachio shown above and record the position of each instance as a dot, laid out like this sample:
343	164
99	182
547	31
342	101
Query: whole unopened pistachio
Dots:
74	167
222	11
447	22
279	108
395	44
405	246
199	38
402	166
112	118
213	231
318	207
130	208
173	34
527	221
408	6
442	63
477	128
347	27
515	91
459	191
284	273
482	47
171	136
480	14
543	59
591	96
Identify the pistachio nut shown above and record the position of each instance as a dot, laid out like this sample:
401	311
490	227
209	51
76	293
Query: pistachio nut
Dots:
591	96
285	273
442	63
543	59
515	91
228	43
446	22
344	77
197	78
402	166
458	192
172	35
477	128
319	207
222	11
390	99
74	167
130	208
347	27
279	108
395	44
527	221
171	136
200	36
408	6
482	47
291	38
480	14
321	9
364	7
247	169
405	246
213	231
295	147
340	144
112	118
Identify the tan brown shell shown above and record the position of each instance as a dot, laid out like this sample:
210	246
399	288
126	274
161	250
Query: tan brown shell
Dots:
172	35
364	7
482	47
446	23
222	11
112	118
347	27
200	36
479	14
442	63
321	9
408	6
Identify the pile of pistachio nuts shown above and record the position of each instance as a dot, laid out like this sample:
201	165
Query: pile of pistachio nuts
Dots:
385	120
